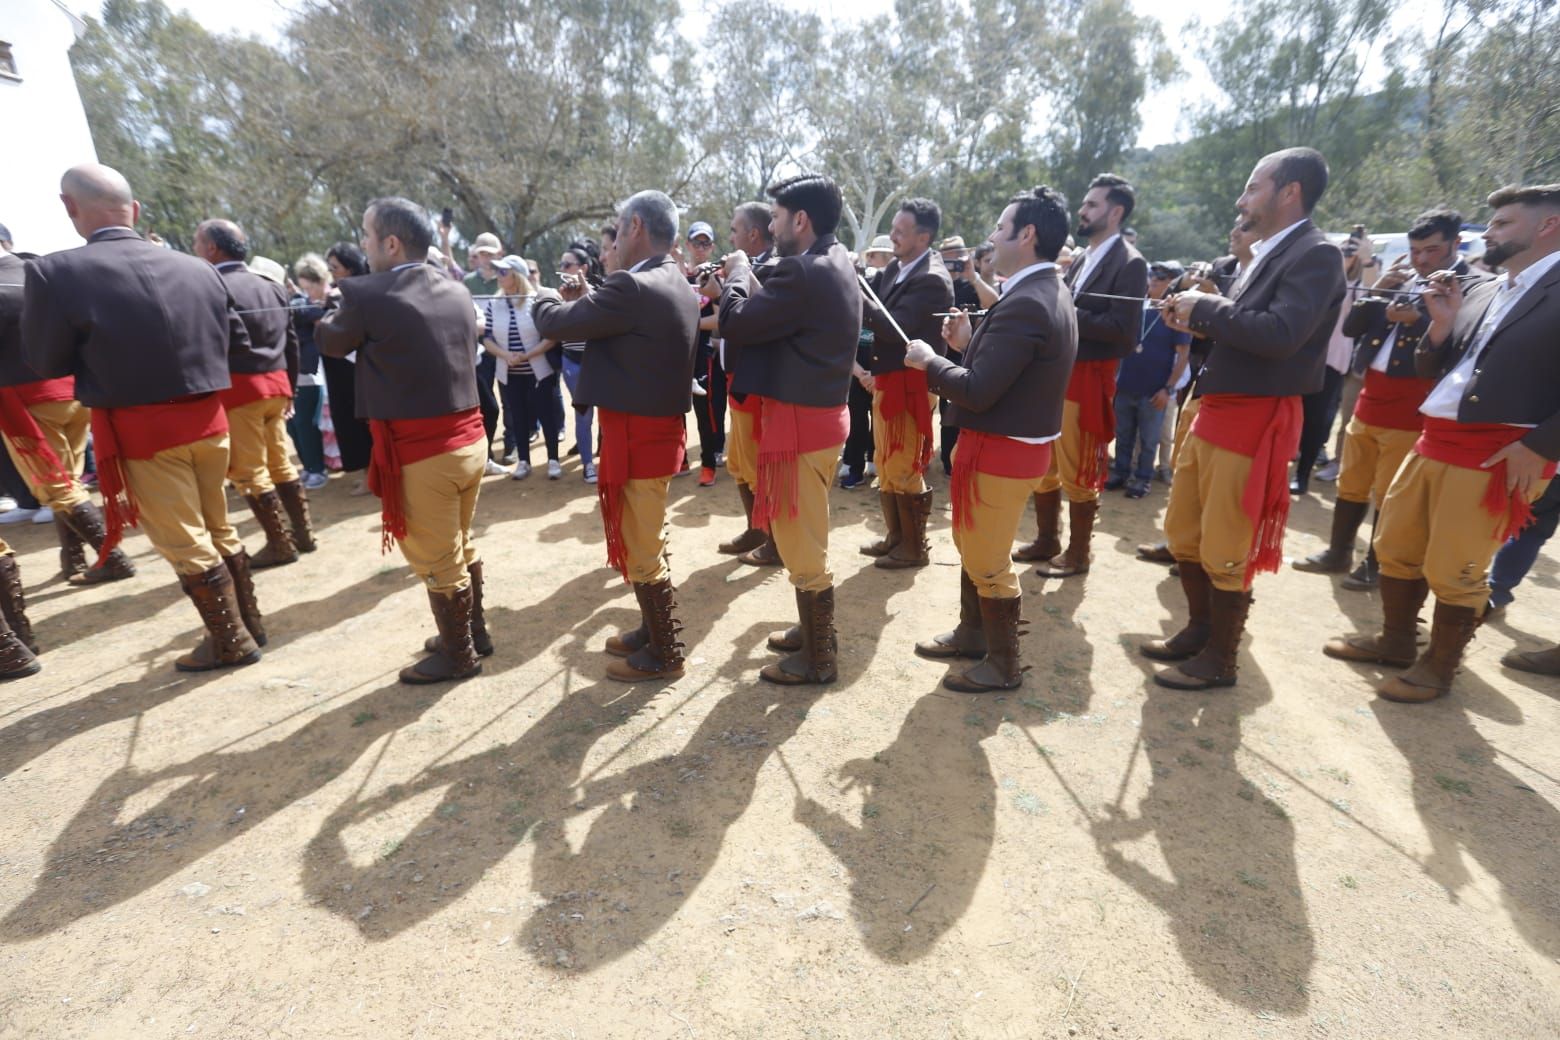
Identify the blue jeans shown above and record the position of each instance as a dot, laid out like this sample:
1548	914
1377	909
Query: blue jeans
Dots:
582	413
1137	427
304	428
1514	559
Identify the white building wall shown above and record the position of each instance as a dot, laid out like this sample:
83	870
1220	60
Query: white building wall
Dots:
42	122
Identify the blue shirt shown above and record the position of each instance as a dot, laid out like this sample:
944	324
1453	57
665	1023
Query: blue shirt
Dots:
1146	370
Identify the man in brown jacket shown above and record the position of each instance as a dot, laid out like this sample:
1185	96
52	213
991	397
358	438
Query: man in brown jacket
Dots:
1108	330
1230	500
413	328
795	340
915	287
147	332
1007	401
258	403
641	332
1489	447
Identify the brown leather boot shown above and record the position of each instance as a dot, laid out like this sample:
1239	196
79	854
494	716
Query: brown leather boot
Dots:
750	539
1365	577
817	659
1190	641
13	604
17	660
661	656
1215	666
1048	529
73	552
766	555
1000	668
86	520
456	657
1080	529
913	549
968	639
1431	676
1543	662
479	632
1159	552
893	518
279	549
227	643
1338	557
1397	642
296	503
244	595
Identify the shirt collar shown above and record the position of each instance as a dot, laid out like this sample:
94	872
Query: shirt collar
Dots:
410	263
1103	247
1536	270
104	230
641	265
905	268
228	265
1267	245
1018	276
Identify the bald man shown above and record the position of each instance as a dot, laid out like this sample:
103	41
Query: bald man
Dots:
260	400
147	333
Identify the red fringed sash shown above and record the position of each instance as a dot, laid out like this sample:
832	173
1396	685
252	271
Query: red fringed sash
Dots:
749	403
996	456
1392	402
1265	430
633	447
249	387
1093	388
906	391
785	432
21	428
140	432
401	442
1468	445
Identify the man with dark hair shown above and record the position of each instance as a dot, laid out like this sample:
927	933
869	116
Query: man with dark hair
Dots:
264	380
413	329
795	339
1007	395
147	333
1108	330
915	287
1387	325
1230	500
1490	442
641	329
749	234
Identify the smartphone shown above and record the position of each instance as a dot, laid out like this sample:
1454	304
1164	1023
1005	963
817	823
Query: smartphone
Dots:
447	218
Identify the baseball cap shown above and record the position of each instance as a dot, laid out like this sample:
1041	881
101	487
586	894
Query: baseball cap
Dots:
487	242
513	263
1165	269
699	227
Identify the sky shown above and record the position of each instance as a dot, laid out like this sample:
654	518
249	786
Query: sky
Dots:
1162	119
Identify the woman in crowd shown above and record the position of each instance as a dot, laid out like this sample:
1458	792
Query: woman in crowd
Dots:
312	277
346	260
528	380
581	257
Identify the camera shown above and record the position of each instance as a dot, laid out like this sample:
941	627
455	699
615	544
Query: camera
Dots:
957	266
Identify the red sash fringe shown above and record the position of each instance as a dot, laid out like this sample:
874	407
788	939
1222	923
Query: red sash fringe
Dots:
21	428
785	432
140	432
1265	430
1093	388
906	391
996	456
401	442
1390	402
633	447
1468	445
249	387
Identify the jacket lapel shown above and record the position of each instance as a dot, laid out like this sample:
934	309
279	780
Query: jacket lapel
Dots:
1530	299
1265	264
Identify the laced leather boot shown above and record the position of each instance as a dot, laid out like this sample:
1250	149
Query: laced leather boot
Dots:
73	551
968	638
13	604
1080	529
1338	557
1431	675
749	539
893	518
456	657
479	632
1048	529
1215	665
86	521
1188	642
661	654
1397	642
816	661
1000	669
295	501
913	549
279	549
227	643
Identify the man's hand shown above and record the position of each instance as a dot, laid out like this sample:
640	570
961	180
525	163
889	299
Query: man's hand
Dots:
1443	298
1161	400
1395	276
290	411
732	262
864	377
919	353
573	288
1524	467
956	330
710	286
1176	310
1402	312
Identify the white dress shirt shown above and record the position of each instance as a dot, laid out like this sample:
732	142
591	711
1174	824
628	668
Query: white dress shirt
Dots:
1091	260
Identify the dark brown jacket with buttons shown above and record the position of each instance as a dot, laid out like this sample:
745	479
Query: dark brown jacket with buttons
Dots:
914	304
1109	330
1367	323
273	339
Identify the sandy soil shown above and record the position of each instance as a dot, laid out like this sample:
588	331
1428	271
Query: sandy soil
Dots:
305	848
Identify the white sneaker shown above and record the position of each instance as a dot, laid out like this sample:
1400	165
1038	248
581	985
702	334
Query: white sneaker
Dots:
43	516
314	481
493	469
16	515
590	474
7	503
1328	473
554	470
699	391
871	470
522	470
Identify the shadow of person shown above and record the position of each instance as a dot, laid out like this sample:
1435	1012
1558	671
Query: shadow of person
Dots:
1470	804
1232	894
927	825
40	732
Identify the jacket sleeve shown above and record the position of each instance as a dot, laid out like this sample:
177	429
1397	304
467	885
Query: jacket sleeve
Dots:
1117	323
1008	343
772	312
48	340
923	294
606	311
342	330
1365	313
1545	438
291	349
1305	293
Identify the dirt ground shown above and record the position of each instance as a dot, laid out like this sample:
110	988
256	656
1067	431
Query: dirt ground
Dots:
305	848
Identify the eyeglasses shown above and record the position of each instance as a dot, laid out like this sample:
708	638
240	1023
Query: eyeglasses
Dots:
566	264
